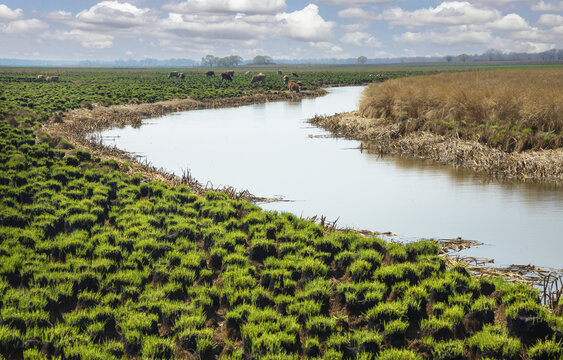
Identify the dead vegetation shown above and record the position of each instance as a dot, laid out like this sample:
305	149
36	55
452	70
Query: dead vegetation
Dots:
550	282
385	137
511	110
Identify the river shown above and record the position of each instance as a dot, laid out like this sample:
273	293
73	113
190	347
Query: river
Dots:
272	151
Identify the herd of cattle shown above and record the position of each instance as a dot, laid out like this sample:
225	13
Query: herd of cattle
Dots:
260	77
227	76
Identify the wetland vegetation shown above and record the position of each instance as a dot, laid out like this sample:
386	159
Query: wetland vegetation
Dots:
507	122
99	264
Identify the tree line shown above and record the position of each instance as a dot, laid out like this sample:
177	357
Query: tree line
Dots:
233	60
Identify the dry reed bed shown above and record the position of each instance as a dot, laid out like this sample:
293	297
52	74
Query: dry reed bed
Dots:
512	110
546	165
75	126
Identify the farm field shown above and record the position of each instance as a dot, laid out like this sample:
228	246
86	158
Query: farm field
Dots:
99	264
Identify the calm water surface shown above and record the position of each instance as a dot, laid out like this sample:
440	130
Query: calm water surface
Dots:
270	150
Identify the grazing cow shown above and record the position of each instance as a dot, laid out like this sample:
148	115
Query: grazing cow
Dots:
260	77
182	76
210	73
247	73
292	85
40	77
173	74
52	78
280	73
226	76
295	74
231	73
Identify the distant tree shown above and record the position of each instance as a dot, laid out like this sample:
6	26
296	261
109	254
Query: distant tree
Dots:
209	60
362	59
261	60
235	60
493	54
449	58
463	57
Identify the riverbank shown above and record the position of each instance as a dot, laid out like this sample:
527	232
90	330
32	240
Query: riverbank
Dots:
75	127
506	123
385	137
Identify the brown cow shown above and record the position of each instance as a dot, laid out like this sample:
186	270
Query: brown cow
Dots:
210	73
292	85
260	77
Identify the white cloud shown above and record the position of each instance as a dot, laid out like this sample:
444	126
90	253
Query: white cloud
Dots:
217	27
543	6
87	39
228	6
113	14
23	27
59	15
306	24
447	13
8	14
459	35
327	49
356	13
510	22
550	20
360	39
355	2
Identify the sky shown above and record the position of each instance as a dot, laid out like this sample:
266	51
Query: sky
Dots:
281	29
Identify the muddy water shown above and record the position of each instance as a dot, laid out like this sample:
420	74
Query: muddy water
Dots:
270	150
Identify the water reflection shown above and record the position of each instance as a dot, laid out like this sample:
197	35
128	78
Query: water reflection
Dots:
270	150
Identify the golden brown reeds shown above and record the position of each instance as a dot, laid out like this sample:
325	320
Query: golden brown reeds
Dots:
512	110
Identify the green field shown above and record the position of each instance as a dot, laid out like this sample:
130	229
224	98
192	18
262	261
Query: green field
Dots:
97	264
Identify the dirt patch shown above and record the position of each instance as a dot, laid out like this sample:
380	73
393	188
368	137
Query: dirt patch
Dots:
377	135
75	126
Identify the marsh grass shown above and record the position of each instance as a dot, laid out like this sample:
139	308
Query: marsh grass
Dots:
512	110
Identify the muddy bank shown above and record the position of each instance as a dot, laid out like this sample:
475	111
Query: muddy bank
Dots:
544	165
75	126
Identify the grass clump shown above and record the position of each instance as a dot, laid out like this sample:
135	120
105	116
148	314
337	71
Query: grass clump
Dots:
493	341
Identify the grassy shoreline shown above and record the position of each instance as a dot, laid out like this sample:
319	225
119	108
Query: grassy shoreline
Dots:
542	165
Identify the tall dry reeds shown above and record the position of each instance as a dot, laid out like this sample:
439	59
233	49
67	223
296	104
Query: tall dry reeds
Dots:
512	110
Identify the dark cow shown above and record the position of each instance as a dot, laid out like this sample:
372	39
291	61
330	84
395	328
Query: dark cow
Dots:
231	73
226	76
280	73
210	73
295	74
182	76
173	74
260	77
